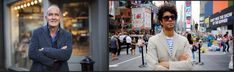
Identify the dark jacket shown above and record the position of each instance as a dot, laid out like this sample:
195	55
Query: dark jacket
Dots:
50	59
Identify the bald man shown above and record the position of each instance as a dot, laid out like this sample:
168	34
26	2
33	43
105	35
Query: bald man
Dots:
50	46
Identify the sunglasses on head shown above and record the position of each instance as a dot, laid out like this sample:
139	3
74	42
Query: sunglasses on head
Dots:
168	17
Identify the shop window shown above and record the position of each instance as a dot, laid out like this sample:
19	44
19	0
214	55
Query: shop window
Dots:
76	21
25	16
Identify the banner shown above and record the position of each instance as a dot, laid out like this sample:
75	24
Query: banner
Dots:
188	14
141	18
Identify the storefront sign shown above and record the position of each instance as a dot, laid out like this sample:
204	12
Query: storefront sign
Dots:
224	17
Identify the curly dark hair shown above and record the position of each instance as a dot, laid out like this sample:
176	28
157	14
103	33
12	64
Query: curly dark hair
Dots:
166	7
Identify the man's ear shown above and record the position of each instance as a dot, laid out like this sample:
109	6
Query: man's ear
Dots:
160	22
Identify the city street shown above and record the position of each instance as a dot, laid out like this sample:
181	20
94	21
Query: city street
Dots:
127	62
212	61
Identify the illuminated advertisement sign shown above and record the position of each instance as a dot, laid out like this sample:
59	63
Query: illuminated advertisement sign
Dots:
141	18
225	17
188	14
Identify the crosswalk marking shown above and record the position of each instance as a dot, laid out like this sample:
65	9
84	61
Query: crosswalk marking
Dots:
117	64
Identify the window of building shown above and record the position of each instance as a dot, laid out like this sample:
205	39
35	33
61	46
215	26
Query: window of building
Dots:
75	18
25	16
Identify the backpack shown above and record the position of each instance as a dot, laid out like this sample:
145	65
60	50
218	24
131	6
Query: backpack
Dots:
194	48
124	40
118	40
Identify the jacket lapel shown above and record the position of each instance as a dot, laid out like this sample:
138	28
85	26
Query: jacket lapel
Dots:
46	35
175	45
162	41
60	38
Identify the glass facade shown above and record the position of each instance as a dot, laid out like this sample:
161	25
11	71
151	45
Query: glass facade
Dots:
21	17
76	21
25	16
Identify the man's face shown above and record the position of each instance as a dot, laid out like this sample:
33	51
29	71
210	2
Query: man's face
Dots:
168	20
53	16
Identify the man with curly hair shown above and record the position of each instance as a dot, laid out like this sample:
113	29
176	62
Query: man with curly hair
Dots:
168	50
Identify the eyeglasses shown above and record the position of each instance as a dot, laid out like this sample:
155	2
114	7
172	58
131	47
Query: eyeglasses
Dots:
168	17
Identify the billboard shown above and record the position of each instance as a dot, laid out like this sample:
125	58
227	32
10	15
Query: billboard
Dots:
219	5
141	18
188	15
222	18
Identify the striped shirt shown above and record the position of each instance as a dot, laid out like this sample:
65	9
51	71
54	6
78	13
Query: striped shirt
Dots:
170	45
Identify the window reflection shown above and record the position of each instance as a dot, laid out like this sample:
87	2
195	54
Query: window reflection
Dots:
23	21
76	21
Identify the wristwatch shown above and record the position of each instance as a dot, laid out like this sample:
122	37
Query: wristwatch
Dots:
41	49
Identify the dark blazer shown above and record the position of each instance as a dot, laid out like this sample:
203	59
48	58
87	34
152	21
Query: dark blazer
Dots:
50	59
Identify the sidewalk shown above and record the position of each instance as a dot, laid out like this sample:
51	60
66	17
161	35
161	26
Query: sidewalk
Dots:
212	61
127	62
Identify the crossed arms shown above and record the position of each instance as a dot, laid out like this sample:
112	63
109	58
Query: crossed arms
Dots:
183	63
47	56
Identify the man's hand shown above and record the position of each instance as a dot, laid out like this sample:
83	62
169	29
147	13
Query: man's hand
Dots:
64	47
164	63
183	56
41	49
